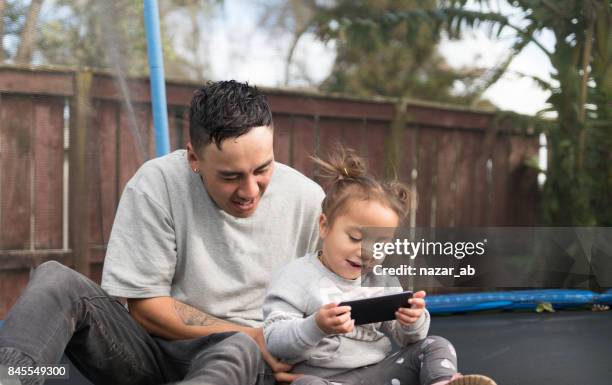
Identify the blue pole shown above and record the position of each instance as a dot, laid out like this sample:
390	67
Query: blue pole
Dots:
158	85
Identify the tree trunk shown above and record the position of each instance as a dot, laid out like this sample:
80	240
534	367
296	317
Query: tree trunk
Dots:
199	63
26	46
296	38
586	60
304	12
2	7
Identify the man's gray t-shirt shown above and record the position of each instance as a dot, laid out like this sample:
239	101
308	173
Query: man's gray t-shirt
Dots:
170	239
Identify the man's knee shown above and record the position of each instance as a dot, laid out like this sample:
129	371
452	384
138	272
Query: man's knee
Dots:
53	268
233	346
236	358
245	344
55	277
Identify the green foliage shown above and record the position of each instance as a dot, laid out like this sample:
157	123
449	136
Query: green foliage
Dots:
13	19
390	48
96	34
579	176
108	34
578	185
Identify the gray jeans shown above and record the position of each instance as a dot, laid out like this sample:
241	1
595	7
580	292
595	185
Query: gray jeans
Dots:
63	311
422	363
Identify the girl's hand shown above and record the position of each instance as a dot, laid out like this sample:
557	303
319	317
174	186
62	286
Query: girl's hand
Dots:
334	319
408	316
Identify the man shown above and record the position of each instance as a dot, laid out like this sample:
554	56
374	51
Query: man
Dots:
196	237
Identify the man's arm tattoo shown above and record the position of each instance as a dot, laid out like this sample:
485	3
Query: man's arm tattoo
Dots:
192	316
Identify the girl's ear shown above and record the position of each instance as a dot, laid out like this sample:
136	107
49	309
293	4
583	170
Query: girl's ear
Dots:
323	226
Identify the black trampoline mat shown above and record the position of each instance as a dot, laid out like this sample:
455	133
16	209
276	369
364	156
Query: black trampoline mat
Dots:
514	348
562	348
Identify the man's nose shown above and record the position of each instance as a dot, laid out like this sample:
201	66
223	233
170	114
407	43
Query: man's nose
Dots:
249	189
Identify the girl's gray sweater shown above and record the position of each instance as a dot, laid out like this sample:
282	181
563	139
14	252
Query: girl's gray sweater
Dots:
292	334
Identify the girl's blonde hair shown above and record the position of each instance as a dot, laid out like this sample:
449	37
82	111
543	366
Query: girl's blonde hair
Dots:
347	178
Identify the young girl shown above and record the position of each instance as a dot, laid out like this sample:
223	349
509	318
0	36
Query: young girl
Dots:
304	325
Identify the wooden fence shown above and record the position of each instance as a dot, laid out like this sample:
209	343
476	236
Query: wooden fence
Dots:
68	145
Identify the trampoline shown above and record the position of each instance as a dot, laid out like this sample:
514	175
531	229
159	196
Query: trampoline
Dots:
561	348
501	335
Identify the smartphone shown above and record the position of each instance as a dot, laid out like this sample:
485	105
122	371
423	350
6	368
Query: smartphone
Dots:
377	309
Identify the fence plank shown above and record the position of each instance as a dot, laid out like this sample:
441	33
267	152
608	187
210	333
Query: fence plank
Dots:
185	115
445	180
524	207
331	134
480	182
172	128
467	200
135	142
303	145
177	127
438	116
427	158
36	81
376	133
500	181
283	128
15	171
408	162
353	135
303	104
80	128
48	171
103	192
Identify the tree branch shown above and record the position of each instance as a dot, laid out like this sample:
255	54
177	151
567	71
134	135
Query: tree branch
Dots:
531	38
497	18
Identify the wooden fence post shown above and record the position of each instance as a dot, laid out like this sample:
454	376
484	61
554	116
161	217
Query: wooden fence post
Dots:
79	177
394	142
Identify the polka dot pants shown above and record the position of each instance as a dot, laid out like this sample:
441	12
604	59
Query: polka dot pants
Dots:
423	363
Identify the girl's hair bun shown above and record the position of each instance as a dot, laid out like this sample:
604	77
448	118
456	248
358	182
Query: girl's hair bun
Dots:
401	194
347	178
343	163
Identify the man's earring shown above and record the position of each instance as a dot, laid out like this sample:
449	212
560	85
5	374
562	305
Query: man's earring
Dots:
196	170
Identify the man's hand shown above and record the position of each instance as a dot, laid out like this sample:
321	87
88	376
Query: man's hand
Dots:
409	315
334	319
281	370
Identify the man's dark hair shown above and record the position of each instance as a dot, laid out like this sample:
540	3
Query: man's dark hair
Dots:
227	109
